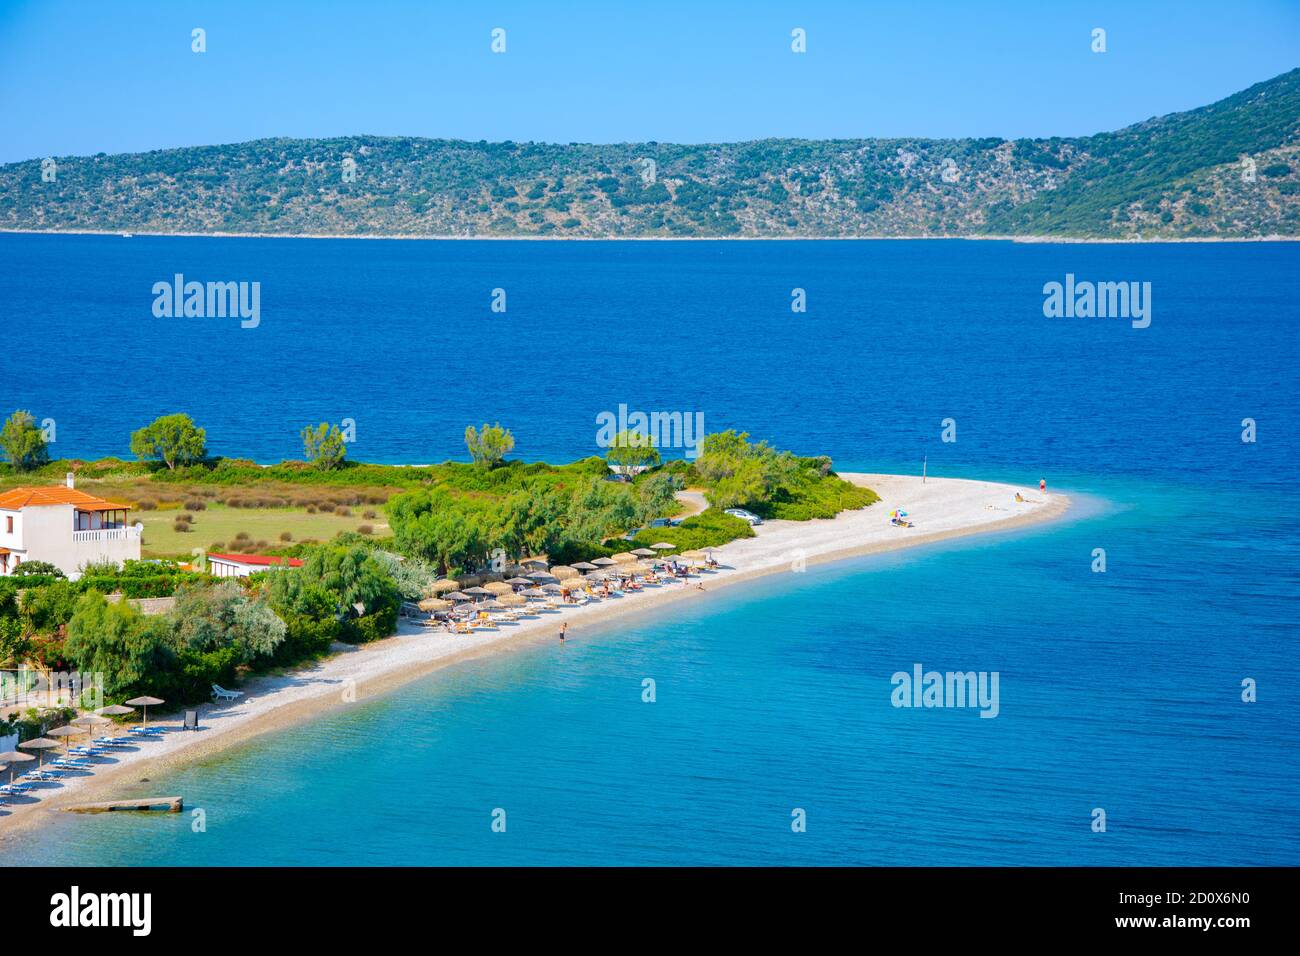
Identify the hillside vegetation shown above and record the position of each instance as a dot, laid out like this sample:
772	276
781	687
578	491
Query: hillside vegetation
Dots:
1174	176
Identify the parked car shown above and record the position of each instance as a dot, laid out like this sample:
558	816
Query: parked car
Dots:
744	515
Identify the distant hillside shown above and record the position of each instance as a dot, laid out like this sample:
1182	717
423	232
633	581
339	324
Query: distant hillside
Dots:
1174	176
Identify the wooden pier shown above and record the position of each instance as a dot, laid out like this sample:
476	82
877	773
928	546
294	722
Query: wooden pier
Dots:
170	804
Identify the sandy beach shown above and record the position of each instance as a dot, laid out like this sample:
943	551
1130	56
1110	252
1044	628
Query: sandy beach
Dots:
940	508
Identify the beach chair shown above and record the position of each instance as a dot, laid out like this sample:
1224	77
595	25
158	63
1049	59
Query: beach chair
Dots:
220	693
191	720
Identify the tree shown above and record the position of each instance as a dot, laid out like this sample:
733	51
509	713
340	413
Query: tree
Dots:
323	445
116	641
632	452
431	524
340	580
172	439
23	443
207	619
489	446
740	473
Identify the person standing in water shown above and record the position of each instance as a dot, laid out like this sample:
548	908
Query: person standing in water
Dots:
563	627
1042	485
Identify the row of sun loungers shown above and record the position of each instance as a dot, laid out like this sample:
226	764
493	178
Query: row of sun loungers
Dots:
79	759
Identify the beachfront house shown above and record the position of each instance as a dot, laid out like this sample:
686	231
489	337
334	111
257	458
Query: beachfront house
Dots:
242	565
64	526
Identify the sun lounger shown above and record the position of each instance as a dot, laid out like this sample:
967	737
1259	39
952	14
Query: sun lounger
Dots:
15	788
220	693
42	774
145	732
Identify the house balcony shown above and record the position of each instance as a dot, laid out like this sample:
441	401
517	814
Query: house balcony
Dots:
107	534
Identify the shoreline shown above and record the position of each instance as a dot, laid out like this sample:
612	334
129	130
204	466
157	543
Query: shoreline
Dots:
433	237
942	509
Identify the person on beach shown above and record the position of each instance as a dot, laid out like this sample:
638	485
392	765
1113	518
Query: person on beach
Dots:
1042	485
563	627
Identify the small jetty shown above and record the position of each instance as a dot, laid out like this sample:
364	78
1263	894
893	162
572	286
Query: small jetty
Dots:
169	804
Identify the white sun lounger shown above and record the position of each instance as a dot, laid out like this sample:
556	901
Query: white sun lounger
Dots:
220	693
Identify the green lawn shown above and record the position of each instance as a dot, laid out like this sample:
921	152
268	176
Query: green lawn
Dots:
219	524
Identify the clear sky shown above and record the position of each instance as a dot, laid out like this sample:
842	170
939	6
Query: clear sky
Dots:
118	75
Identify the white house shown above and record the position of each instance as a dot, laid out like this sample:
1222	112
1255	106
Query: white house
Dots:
242	565
66	527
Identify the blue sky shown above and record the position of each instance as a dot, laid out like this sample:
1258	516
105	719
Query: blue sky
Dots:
84	77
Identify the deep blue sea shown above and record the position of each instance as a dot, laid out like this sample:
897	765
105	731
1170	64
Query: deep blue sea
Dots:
1119	691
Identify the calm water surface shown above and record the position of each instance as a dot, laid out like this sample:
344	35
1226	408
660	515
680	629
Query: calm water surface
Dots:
1118	690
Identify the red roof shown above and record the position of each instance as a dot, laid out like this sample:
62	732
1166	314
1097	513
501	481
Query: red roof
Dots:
19	498
258	559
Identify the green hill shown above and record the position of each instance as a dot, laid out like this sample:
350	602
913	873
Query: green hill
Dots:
1182	175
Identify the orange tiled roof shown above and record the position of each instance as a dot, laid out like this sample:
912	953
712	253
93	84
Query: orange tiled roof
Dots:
19	498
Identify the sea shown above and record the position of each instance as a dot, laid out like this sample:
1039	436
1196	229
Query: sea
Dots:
1145	646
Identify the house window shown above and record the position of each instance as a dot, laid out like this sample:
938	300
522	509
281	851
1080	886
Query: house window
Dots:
9	524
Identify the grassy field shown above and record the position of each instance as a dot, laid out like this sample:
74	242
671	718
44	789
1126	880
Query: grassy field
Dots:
218	524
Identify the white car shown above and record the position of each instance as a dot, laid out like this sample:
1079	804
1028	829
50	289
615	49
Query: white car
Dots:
744	515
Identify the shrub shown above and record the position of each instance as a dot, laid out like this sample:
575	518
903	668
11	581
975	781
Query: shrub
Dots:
184	518
326	506
217	546
146	504
311	509
195	504
343	512
370	514
286	535
182	526
242	536
366	529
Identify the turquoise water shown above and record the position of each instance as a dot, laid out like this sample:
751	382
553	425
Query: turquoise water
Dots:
1119	691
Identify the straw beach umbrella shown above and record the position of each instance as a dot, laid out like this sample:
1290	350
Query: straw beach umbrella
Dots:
500	587
115	710
92	721
12	757
458	596
664	546
643	553
520	582
40	744
146	703
565	574
67	730
623	557
604	562
443	586
585	566
434	604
